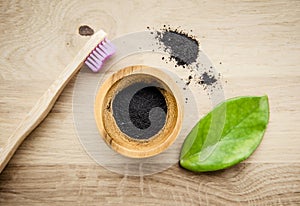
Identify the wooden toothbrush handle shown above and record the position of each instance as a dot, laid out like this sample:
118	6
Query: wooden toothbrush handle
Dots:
46	102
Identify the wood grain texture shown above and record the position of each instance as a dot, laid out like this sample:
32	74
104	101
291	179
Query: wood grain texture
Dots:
254	44
45	103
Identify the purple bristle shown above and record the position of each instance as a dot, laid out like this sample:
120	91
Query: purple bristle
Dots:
102	52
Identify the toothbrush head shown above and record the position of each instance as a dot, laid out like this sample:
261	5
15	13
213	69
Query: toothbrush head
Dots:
102	52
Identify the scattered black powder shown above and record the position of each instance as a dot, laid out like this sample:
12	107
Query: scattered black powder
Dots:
85	30
189	80
186	100
208	79
181	47
144	119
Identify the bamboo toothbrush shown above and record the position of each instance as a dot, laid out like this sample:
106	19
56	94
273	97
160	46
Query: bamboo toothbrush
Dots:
93	54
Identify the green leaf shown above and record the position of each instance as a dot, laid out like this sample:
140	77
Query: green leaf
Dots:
227	135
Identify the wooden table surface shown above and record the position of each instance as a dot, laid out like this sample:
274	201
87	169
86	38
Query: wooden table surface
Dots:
255	45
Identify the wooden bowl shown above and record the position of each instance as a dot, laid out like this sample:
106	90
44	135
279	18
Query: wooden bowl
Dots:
108	106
